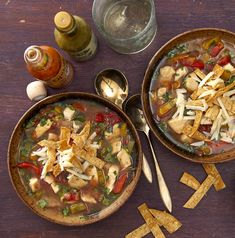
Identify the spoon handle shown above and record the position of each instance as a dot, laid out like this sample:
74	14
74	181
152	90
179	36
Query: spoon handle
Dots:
146	169
164	192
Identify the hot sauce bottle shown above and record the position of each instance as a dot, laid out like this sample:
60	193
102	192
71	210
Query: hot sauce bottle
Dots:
47	65
74	35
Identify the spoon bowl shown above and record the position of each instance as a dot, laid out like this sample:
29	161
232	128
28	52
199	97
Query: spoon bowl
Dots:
132	107
113	85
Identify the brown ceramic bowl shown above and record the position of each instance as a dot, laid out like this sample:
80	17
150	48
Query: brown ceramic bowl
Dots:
179	39
51	215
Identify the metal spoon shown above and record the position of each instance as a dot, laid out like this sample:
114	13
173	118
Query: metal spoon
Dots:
134	111
113	85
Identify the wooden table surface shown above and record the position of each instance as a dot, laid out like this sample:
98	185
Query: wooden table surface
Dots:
24	23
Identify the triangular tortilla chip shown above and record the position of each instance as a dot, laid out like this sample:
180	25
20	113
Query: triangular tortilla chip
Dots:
80	139
65	134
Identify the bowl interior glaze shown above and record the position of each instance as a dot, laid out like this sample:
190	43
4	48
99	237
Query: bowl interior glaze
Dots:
179	39
50	214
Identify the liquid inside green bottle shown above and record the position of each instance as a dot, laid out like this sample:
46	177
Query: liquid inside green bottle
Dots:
74	35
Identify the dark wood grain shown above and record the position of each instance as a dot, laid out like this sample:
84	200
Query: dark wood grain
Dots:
23	23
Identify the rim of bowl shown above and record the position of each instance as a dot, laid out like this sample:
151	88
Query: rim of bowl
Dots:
182	37
17	185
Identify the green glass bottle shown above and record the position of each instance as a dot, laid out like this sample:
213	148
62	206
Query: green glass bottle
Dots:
74	35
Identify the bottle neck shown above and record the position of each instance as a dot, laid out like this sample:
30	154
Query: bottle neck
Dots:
72	30
35	56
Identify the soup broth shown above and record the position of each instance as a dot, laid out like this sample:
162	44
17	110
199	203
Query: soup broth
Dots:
76	157
192	96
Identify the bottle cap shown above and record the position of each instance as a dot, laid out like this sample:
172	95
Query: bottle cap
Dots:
63	21
36	91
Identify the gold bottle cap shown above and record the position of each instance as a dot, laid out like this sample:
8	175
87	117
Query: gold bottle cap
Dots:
63	21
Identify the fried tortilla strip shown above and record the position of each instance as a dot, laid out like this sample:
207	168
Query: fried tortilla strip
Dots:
197	93
194	95
93	160
65	134
197	102
92	152
63	145
219	86
76	163
169	222
221	91
51	153
190	181
212	170
76	182
200	193
48	144
196	123
150	221
228	103
218	71
139	232
89	156
57	170
199	73
81	138
96	162
212	112
40	130
197	135
75	149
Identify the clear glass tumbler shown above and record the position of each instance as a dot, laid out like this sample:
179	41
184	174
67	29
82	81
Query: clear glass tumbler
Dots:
128	26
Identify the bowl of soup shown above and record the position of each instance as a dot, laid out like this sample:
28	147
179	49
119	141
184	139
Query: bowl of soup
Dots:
74	158
188	95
